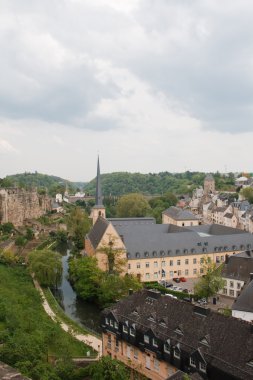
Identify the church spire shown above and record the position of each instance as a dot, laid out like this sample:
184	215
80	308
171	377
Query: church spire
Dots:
99	201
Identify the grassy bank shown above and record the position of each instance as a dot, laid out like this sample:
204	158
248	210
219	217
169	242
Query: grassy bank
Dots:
28	337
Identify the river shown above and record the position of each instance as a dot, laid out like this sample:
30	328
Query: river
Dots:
84	313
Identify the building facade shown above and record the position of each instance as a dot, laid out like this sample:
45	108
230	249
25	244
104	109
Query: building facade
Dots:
156	335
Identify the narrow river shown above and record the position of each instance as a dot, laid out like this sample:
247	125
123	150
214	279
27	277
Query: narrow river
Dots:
85	314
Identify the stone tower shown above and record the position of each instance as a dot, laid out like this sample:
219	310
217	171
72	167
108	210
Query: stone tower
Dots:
209	184
99	209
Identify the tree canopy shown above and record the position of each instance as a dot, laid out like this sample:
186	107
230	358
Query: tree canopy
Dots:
46	266
132	205
211	281
78	226
247	192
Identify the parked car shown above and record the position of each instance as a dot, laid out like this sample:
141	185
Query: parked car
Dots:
185	290
176	279
182	279
168	284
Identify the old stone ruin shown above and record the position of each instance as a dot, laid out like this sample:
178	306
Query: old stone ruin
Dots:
18	205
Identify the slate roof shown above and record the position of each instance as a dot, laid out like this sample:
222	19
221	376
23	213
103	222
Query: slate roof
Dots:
230	339
239	266
96	233
228	215
245	300
179	214
131	221
157	240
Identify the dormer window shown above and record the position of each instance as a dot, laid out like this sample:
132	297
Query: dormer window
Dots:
111	322
162	253
166	346
204	342
193	362
137	254
154	253
177	251
146	254
125	329
151	318
250	363
193	250
179	331
132	331
202	367
177	353
155	343
106	321
146	339
116	325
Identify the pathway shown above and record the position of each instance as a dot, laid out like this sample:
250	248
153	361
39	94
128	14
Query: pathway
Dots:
88	339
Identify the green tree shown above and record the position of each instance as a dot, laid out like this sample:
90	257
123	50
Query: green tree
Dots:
132	205
86	276
46	266
247	193
211	281
7	228
20	241
78	226
108	369
116	263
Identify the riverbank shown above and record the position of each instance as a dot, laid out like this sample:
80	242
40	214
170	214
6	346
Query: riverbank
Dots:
29	339
88	339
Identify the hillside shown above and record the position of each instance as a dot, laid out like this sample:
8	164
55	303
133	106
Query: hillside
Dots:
52	183
156	183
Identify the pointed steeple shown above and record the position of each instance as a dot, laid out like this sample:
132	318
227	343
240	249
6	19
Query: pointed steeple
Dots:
99	201
98	210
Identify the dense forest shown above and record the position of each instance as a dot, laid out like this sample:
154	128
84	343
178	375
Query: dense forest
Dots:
52	184
120	183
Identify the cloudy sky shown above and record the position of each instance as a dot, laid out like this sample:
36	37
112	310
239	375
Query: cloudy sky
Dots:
152	85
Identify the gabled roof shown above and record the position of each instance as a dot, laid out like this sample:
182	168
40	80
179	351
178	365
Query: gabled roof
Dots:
245	300
239	266
97	232
231	339
179	214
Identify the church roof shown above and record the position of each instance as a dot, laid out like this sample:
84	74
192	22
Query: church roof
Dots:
99	201
97	232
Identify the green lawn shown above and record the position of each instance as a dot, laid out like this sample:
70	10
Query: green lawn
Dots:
27	335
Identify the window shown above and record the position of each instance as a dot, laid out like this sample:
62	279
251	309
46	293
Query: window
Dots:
147	276
186	272
185	250
147	265
202	367
109	342
125	329
155	275
132	331
201	260
135	353
128	352
192	362
146	339
166	346
195	271
171	263
231	293
217	260
146	254
186	261
231	284
155	264
106	321
137	254
201	270
177	251
111	322
116	325
155	344
129	266
238	285
176	353
194	261
225	291
138	265
163	263
178	262
154	253
222	258
179	272
156	365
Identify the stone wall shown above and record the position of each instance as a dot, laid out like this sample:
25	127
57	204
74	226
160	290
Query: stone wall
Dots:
17	205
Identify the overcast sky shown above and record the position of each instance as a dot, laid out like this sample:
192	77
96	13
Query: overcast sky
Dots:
152	85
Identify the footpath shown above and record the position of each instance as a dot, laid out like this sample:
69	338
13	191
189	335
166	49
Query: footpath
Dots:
88	339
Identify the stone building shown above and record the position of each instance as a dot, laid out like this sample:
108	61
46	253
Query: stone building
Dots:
209	184
17	205
157	335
